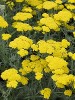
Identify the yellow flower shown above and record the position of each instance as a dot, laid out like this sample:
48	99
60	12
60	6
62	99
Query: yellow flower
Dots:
6	36
74	17
12	84
74	34
73	56
25	63
22	16
46	92
47	69
22	71
64	15
9	75
70	6
58	71
34	2
38	75
63	79
37	28
26	9
45	29
39	6
22	52
3	23
19	0
56	63
49	5
59	7
58	1
70	54
65	43
34	57
45	15
42	48
24	80
49	22
22	42
59	85
21	26
68	92
71	1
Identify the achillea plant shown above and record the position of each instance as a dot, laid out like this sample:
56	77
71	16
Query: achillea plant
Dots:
37	50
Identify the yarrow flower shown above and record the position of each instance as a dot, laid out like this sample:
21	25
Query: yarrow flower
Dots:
46	92
38	75
3	23
22	52
9	76
22	42
12	82
22	26
68	92
6	36
22	16
49	5
27	9
64	15
42	44
19	0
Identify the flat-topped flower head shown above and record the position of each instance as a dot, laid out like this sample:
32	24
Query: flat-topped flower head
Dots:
3	23
6	36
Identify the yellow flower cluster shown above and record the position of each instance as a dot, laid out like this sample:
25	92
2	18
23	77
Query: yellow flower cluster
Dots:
22	16
71	1
19	0
53	22
34	3
22	52
6	36
36	65
3	23
22	26
57	49
27	9
12	81
46	92
74	34
70	6
72	55
49	5
63	80
57	65
63	15
68	92
56	19
22	43
58	1
49	23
